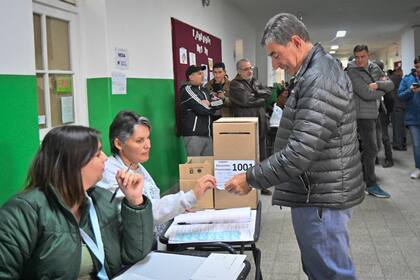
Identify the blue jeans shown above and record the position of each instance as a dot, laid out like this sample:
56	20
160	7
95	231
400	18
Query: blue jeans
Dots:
415	138
324	242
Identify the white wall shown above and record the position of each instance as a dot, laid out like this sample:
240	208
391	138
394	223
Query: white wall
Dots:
389	55
93	38
17	55
144	29
262	62
407	50
416	40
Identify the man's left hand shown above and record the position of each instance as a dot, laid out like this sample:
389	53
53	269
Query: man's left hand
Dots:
238	185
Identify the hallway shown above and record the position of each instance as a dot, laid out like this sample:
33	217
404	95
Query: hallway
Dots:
384	233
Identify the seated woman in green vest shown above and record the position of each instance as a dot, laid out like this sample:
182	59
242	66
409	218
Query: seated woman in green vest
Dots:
63	227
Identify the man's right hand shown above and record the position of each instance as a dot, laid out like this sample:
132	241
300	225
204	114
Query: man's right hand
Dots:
373	86
238	185
415	89
205	102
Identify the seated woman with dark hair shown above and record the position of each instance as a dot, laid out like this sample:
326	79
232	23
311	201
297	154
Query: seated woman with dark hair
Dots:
62	226
129	136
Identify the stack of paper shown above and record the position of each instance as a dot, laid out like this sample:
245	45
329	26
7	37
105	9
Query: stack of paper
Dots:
150	268
220	267
237	227
233	215
215	267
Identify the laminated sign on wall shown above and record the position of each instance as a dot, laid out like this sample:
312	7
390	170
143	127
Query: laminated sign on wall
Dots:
121	59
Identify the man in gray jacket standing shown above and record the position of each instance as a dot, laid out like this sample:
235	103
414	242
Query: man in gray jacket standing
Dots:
369	87
316	168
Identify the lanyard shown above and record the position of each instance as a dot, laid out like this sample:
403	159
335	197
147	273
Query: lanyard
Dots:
97	249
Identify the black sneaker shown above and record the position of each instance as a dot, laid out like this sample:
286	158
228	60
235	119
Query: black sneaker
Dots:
265	192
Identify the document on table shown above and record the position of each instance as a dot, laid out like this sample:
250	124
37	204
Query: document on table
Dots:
223	232
157	266
220	267
233	215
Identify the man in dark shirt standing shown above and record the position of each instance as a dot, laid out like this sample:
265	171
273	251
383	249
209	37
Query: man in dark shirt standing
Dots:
220	86
197	109
248	96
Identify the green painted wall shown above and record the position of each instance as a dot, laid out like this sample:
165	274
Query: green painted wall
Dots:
153	98
19	135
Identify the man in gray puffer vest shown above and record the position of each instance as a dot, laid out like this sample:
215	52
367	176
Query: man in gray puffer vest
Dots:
368	88
316	167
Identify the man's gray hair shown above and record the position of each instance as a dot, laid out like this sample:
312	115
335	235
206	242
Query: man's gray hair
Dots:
238	64
280	29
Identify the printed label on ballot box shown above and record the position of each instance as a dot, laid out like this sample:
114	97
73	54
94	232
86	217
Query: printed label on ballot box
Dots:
226	169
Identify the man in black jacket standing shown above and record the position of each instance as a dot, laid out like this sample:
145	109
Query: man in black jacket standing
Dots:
247	97
197	108
316	168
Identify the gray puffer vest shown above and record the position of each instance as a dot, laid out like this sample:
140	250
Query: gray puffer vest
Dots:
368	100
316	161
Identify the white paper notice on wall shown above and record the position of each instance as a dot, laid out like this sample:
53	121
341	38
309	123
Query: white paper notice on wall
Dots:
183	59
119	83
192	58
226	169
121	58
42	119
205	73
67	115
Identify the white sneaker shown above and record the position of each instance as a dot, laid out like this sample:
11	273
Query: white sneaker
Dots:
415	174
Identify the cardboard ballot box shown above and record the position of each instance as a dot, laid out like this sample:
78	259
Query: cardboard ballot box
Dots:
190	172
236	148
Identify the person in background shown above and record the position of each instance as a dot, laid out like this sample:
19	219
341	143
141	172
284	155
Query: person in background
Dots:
248	97
384	119
368	88
409	92
278	106
198	107
399	137
320	184
276	114
129	137
62	226
220	86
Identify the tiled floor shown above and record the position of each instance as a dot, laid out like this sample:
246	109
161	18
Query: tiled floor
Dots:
384	233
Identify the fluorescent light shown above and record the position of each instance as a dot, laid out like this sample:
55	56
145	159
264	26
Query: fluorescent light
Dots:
341	33
332	52
334	47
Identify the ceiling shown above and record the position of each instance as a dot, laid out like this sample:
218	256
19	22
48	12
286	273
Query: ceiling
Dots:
377	23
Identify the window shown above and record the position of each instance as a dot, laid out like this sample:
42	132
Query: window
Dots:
58	95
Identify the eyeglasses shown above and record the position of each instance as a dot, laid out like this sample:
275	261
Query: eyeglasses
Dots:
247	69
